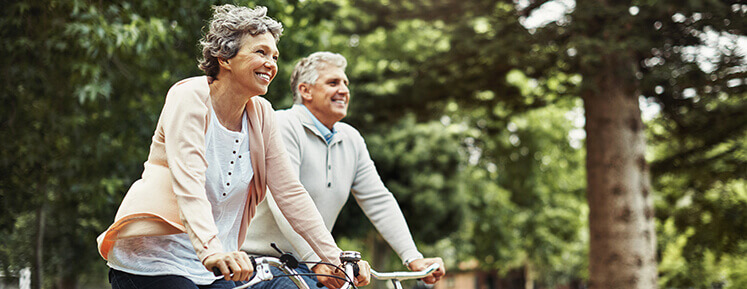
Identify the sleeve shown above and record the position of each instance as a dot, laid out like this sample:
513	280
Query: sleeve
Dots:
184	121
287	129
292	199
380	206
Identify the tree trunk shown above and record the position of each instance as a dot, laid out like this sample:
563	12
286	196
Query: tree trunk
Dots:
622	239
380	253
39	249
528	276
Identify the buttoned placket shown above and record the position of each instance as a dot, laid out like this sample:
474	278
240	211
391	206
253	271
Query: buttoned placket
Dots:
332	142
329	165
232	165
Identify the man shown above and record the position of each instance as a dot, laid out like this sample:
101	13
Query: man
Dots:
332	162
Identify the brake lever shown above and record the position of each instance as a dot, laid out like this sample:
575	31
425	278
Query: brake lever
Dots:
286	257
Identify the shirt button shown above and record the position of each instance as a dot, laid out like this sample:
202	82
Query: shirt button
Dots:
228	184
237	141
234	152
229	173
231	162
329	185
329	167
224	194
239	156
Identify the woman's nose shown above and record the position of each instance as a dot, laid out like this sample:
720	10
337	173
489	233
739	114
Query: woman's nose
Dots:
271	63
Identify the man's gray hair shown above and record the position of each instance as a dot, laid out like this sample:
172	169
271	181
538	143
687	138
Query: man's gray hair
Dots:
228	27
307	69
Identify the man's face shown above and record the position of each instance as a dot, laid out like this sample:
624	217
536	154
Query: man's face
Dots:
328	97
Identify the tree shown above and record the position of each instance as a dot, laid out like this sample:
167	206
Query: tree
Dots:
408	67
63	163
613	45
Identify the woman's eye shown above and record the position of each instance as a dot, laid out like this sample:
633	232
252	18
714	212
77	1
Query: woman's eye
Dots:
261	52
275	58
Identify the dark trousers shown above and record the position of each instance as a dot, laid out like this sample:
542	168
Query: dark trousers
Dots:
122	280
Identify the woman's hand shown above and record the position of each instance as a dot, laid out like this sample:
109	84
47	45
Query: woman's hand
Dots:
363	278
422	264
236	263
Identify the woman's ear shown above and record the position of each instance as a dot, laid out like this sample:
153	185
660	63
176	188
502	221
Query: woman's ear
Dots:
222	62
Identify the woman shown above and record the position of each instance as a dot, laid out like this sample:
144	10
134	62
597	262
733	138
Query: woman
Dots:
214	152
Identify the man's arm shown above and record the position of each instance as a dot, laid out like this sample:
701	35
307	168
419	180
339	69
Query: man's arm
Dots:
379	204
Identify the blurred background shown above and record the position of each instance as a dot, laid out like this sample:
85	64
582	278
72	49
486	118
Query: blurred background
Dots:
474	112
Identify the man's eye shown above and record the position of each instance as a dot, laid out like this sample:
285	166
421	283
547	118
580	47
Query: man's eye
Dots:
261	52
275	58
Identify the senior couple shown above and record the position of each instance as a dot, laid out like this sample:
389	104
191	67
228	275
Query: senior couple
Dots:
217	149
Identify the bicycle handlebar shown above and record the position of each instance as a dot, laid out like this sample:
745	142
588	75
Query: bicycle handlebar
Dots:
396	276
262	272
405	275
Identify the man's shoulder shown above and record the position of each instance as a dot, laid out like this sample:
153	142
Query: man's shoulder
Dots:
288	120
286	115
348	130
345	127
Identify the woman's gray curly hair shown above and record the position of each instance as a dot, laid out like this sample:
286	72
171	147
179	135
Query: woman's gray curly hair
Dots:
307	69
227	28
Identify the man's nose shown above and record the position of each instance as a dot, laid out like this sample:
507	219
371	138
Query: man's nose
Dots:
343	89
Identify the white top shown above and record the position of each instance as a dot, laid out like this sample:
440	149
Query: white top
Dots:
330	172
228	176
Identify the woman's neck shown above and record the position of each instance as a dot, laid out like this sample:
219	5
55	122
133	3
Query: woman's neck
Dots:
228	103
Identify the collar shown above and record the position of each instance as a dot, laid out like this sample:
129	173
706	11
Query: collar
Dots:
327	133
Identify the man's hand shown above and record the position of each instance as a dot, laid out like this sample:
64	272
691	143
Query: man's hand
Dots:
365	274
237	262
330	282
421	264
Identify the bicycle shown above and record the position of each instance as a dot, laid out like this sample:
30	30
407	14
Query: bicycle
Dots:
287	263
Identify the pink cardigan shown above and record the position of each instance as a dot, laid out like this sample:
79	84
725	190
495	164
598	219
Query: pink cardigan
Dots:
170	197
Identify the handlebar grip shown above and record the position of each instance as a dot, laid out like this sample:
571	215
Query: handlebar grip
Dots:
217	272
356	270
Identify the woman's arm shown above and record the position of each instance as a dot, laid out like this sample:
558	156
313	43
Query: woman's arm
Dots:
291	197
287	127
184	122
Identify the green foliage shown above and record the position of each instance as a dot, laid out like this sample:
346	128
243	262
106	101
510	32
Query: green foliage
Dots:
421	164
468	116
528	205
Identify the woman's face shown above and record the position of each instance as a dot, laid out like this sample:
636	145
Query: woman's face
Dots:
255	65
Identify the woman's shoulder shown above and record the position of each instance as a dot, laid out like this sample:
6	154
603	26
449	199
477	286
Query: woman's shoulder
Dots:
194	86
261	106
262	102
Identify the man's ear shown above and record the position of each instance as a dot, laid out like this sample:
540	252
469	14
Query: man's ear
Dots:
305	90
